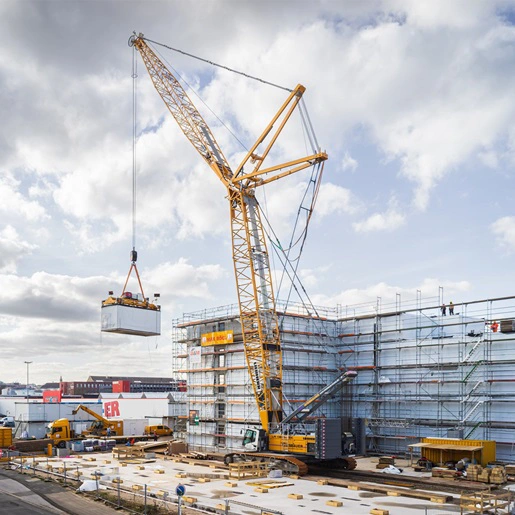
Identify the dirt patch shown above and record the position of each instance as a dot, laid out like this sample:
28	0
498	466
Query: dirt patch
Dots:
322	494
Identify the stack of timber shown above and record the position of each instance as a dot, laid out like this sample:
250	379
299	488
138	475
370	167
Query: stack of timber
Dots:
510	472
176	447
495	475
385	462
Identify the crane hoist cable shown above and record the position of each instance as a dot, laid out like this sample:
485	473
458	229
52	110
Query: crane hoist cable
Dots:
134	253
143	302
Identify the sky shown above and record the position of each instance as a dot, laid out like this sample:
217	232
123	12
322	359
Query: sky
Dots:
412	101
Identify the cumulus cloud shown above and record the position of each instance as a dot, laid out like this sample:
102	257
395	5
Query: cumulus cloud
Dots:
419	91
504	231
348	162
336	199
387	221
366	299
15	204
182	279
12	248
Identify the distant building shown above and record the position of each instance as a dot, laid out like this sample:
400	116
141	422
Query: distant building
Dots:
141	384
96	385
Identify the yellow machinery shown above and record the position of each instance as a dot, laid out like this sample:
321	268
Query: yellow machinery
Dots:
101	426
258	315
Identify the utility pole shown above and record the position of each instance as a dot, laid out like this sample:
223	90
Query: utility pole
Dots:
27	387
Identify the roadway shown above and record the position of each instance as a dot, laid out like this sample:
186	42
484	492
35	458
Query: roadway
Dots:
21	494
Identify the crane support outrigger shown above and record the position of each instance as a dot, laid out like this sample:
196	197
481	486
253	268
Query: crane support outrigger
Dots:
258	316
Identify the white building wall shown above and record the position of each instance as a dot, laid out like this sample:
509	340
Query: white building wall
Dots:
419	374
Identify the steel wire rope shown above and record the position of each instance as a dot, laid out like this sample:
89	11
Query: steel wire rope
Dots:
134	161
292	276
216	64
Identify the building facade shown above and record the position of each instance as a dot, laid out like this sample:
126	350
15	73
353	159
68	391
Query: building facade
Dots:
420	373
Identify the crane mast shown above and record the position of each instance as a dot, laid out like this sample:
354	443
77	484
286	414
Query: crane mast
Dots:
258	316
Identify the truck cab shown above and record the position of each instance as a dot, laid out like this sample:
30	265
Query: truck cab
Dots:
59	432
7	422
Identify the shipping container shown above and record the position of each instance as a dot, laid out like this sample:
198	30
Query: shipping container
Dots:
138	321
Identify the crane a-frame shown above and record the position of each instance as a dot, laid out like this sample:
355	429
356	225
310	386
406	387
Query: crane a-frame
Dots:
259	322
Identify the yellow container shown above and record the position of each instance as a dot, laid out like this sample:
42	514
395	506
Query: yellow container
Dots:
455	449
6	437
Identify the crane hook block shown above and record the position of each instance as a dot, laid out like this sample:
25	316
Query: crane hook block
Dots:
134	256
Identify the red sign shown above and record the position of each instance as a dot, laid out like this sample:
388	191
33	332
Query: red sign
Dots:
52	396
111	409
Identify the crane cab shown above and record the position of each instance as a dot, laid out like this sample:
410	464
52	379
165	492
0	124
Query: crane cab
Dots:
255	440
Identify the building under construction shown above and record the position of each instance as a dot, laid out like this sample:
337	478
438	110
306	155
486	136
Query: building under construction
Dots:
421	373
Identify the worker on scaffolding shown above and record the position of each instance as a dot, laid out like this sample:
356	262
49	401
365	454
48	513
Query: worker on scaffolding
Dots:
444	309
451	308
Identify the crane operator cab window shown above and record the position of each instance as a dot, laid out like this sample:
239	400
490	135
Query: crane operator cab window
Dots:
255	440
250	439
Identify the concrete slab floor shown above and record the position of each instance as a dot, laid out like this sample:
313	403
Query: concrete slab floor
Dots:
299	497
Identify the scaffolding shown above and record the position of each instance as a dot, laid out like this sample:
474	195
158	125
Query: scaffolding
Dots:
420	373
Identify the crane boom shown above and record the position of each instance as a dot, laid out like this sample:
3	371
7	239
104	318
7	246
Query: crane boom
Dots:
258	316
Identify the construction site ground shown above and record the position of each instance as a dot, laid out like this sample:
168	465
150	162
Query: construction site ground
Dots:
207	484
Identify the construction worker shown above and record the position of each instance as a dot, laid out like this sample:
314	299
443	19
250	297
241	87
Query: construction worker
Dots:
451	308
444	310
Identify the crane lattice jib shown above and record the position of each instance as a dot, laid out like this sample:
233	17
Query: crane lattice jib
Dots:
184	111
258	316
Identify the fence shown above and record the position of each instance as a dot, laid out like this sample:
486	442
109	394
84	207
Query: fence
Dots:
136	499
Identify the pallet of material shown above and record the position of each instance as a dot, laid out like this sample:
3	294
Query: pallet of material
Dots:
123	453
388	460
247	470
184	458
496	475
485	502
269	483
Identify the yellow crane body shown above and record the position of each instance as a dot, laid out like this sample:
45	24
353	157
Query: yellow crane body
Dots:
258	316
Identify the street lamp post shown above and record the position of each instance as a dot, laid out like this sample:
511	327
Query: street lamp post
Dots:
27	387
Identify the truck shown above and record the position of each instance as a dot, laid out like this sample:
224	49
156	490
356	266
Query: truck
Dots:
62	430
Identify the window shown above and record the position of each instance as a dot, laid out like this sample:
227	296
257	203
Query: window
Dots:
220	410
